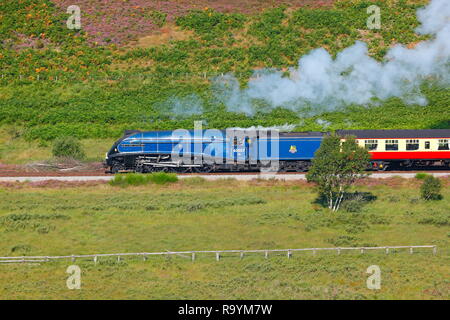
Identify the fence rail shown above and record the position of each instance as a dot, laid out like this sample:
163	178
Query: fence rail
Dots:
192	254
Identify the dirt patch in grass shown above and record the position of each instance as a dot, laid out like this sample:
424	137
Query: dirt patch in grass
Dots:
51	184
164	36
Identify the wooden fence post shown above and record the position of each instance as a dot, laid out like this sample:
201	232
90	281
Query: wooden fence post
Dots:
289	254
193	256
435	250
242	255
217	256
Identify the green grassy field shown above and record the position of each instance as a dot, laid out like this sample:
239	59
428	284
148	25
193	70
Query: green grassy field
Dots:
199	215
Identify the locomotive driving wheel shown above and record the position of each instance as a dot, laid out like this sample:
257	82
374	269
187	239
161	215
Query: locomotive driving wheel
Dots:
204	169
116	167
185	170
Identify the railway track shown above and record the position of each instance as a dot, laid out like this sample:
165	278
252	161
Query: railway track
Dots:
10	173
16	173
212	176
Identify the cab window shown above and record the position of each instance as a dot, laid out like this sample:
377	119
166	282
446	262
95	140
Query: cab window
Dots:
371	144
391	145
412	144
443	144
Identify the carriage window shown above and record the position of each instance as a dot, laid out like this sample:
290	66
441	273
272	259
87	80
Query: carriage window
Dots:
392	145
371	144
427	145
443	144
412	144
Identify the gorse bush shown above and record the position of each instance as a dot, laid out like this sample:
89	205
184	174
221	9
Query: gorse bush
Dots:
431	189
68	147
135	179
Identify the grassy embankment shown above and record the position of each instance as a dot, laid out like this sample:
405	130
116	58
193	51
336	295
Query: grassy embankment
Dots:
199	215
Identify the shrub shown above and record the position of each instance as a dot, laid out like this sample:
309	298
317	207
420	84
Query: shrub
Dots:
25	221
421	175
342	241
158	18
162	178
438	220
136	179
21	248
129	179
431	188
354	205
68	147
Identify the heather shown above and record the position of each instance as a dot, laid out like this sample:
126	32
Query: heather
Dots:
153	65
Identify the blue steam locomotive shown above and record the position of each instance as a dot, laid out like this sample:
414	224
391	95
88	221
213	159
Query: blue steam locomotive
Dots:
206	151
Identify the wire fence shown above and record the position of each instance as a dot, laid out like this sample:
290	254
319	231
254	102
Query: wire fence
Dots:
217	253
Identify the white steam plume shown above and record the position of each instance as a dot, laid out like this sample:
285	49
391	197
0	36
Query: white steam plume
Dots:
181	106
320	83
282	128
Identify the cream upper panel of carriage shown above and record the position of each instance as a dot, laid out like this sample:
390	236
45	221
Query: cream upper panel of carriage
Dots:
422	144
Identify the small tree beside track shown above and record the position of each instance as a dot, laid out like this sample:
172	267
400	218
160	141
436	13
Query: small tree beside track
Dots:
336	167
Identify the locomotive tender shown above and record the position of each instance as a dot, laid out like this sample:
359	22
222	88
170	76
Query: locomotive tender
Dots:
252	150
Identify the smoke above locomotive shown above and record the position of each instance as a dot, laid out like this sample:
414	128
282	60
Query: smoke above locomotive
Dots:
320	83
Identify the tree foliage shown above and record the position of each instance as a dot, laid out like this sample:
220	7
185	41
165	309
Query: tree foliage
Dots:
431	188
336	166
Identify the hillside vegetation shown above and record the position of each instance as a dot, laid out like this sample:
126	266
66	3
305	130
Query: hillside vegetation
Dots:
138	65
